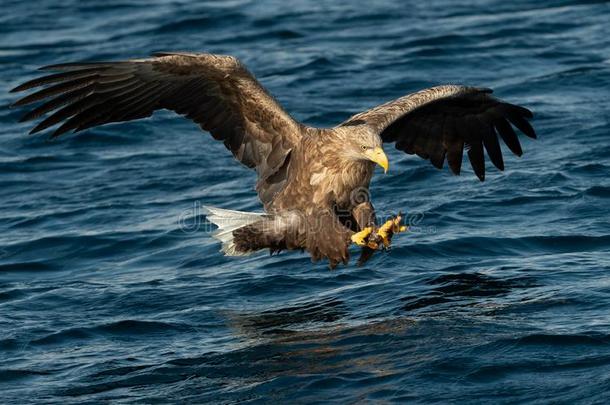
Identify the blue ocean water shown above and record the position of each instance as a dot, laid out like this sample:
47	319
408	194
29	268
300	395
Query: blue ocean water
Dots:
112	289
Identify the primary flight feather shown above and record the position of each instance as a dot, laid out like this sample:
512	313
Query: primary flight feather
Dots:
311	181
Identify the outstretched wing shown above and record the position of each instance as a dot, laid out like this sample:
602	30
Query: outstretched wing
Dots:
439	122
217	92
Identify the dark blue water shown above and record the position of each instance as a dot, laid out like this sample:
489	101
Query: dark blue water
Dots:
112	289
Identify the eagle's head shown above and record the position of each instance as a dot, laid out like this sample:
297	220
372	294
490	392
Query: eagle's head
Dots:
361	143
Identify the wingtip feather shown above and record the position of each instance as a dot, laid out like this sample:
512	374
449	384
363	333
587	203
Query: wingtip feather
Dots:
35	130
19	88
21	102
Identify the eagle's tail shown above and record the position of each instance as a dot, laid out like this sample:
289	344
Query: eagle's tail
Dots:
228	221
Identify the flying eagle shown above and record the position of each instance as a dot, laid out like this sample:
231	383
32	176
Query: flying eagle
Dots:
311	181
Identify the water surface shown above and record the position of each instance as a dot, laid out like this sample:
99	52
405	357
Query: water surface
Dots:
111	288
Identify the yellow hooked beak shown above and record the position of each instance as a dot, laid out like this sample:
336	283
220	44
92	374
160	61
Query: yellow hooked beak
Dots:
378	156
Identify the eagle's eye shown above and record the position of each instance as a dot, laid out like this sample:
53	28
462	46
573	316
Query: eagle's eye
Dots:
363	147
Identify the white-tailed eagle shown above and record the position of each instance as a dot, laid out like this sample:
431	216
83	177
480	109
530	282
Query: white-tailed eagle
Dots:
310	180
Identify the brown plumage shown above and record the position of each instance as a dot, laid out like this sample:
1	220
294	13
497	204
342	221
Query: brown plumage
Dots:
313	182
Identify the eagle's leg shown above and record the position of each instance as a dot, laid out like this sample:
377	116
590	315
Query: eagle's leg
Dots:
327	238
364	214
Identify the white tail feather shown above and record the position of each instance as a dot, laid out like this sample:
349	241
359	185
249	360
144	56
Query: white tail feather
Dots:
227	221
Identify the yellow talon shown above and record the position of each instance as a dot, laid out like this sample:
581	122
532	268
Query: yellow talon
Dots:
391	227
384	232
371	238
359	238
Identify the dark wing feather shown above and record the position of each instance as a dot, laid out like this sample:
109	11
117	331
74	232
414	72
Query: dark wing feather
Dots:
440	122
453	144
217	92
